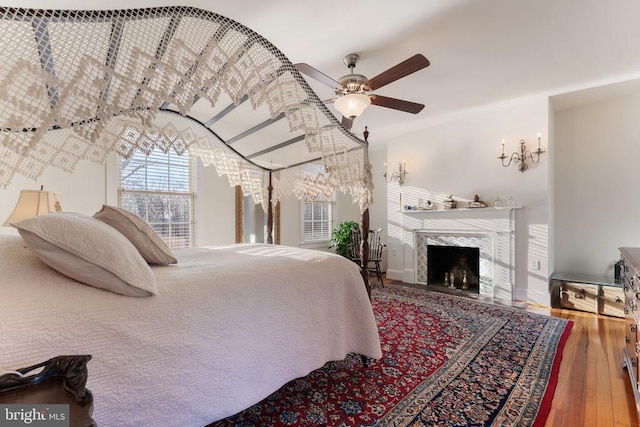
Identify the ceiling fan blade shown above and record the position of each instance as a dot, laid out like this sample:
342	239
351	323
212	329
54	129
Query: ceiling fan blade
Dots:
396	104
319	76
411	65
347	122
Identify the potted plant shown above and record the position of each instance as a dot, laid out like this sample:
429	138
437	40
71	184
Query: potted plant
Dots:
341	238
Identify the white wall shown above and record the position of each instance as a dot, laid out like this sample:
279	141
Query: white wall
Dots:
596	196
457	154
215	208
378	209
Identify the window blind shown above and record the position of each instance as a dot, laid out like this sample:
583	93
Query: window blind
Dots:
317	214
159	189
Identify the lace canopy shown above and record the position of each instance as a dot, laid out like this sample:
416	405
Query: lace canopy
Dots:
78	85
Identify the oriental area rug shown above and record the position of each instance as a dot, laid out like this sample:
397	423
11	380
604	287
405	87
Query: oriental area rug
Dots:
447	361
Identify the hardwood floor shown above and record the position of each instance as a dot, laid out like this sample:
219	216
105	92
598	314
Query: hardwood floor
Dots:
593	387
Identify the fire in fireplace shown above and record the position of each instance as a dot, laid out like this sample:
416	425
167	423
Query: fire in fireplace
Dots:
454	266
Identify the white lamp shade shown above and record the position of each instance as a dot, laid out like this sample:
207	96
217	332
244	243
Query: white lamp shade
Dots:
34	203
352	104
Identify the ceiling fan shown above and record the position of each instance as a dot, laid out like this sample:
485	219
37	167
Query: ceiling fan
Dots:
353	89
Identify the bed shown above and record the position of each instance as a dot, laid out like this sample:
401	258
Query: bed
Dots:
229	326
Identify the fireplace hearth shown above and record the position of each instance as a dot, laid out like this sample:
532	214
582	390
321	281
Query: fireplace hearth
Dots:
454	267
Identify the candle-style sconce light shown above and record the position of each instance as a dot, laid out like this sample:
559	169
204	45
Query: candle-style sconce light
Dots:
397	176
520	159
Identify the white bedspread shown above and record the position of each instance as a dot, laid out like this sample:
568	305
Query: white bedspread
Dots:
230	326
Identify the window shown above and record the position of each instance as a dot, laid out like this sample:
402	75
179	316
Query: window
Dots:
317	221
159	188
318	214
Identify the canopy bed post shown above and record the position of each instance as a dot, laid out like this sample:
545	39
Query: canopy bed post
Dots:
239	215
364	249
364	229
270	211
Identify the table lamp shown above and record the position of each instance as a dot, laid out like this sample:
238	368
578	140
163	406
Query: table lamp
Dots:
34	203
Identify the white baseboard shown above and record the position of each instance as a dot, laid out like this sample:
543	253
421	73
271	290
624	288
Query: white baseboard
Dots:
394	274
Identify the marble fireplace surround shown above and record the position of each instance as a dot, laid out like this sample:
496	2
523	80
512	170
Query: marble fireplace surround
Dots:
480	240
493	232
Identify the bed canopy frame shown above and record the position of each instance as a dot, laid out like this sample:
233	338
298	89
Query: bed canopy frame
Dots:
78	85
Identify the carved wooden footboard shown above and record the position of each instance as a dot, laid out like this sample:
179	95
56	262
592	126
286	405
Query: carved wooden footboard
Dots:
58	381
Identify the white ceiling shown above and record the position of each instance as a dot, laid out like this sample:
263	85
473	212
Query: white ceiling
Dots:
481	51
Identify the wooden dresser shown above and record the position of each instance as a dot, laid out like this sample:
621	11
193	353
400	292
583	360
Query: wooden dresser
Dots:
630	280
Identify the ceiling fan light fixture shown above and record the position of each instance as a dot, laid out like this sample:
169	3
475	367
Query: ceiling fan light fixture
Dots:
352	105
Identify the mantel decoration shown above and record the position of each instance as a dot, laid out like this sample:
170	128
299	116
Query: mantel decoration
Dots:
450	202
520	159
396	176
477	203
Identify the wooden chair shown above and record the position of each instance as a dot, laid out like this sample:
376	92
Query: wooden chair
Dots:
375	251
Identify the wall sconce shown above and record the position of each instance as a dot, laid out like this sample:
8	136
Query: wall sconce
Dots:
396	176
520	159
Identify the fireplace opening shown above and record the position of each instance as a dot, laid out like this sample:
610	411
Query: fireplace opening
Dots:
457	264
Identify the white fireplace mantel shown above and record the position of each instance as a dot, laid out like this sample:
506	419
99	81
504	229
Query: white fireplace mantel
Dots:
471	212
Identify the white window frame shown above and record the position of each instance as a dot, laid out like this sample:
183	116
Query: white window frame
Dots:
190	194
332	210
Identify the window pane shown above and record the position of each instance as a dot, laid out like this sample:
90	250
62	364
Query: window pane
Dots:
158	189
317	213
308	211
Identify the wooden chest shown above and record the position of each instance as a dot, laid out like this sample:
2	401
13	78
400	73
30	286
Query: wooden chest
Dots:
588	293
611	301
579	296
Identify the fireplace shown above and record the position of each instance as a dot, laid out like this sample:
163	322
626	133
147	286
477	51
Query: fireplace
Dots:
492	230
454	266
472	252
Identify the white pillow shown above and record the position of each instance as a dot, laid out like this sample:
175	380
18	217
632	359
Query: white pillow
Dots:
88	251
150	245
